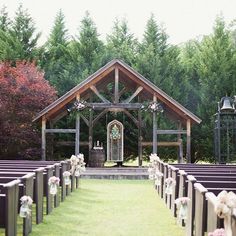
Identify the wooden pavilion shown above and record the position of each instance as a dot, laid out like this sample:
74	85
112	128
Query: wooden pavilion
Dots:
121	78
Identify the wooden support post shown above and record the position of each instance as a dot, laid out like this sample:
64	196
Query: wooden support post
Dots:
43	139
140	151
180	159
77	133
180	148
51	143
116	85
188	148
154	130
90	132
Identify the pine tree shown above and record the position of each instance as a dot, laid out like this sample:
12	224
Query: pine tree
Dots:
24	31
56	57
155	36
4	19
87	47
121	43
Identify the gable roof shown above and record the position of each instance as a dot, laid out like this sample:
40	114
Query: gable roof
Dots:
132	75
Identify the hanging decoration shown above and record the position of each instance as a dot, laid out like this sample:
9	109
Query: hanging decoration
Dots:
158	178
53	183
153	170
66	176
77	165
182	206
225	208
170	184
25	209
155	107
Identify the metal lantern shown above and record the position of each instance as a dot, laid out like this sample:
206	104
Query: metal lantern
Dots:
225	131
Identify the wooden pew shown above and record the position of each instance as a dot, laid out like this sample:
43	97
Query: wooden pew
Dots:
63	166
201	204
26	187
9	206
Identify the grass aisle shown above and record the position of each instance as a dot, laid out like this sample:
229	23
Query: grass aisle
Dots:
110	208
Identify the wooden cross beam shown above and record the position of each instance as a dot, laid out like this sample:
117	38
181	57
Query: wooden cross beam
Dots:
137	91
159	131
99	106
94	89
99	116
122	91
84	119
131	117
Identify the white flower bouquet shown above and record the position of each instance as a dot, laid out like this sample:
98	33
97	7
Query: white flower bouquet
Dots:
66	176
26	203
53	183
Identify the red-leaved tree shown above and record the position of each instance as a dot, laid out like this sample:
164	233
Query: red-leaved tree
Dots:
23	93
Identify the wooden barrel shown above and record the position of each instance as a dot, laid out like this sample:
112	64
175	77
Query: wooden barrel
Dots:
97	158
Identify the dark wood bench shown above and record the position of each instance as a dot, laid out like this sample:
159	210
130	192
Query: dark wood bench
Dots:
9	195
63	166
200	215
26	187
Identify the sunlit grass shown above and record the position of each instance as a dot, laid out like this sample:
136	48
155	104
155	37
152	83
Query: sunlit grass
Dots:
110	208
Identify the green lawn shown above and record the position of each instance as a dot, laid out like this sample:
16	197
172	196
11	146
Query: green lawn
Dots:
110	208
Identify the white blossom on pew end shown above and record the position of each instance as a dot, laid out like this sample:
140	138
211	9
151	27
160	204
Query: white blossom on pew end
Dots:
225	203
77	164
170	184
182	206
73	162
154	158
217	232
53	183
79	169
26	203
66	176
225	207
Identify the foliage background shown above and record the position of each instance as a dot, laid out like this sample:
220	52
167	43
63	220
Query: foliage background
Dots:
196	73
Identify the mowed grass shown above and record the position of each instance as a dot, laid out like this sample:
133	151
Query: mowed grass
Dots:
110	208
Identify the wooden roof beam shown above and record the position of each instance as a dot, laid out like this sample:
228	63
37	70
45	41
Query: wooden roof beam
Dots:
94	89
137	91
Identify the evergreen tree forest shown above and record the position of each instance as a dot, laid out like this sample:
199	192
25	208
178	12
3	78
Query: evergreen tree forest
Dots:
197	73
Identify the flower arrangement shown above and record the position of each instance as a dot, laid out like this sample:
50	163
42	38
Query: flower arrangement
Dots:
153	166
217	232
182	206
170	183
77	164
53	183
79	105
154	158
158	176
66	176
225	208
26	203
155	106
